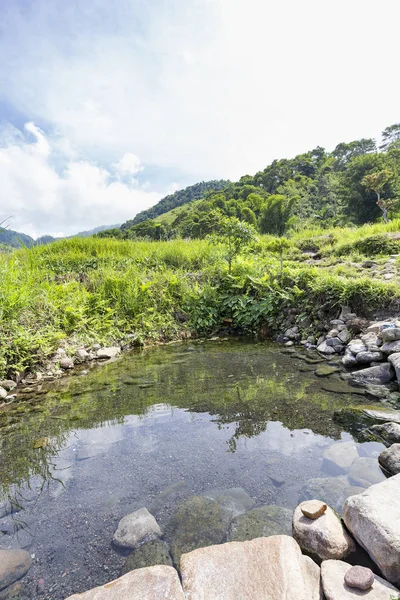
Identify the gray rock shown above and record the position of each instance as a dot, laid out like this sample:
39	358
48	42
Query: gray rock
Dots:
261	522
197	522
388	432
390	459
349	360
66	363
331	490
152	583
321	538
337	322
360	578
325	348
381	374
391	347
148	555
332	333
373	518
386	416
365	472
371	339
82	355
390	334
344	336
333	573
394	360
8	384
356	346
233	500
14	564
368	264
379	392
334	341
368	357
136	528
105	353
338	458
375	327
3	393
13	592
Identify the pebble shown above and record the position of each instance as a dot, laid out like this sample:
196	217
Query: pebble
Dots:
359	577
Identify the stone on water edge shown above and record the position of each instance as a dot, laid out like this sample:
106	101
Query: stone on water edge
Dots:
152	583
312	509
388	432
322	538
373	517
136	528
261	522
390	459
270	568
332	576
379	374
105	353
149	554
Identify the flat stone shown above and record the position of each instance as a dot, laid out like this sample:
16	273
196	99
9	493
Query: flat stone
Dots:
331	490
344	336
326	370
312	509
365	472
322	538
325	348
261	522
152	583
338	458
333	573
390	459
373	518
136	528
153	553
360	578
382	415
196	523
271	568
367	357
380	374
104	353
356	346
14	564
391	347
388	432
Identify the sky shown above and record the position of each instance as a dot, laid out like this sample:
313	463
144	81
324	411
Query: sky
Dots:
106	107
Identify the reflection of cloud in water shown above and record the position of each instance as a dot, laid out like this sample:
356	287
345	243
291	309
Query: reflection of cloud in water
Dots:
93	442
278	438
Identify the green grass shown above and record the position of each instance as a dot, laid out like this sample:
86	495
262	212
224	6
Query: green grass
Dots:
86	290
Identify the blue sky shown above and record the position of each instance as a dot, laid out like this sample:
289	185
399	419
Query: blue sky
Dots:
106	107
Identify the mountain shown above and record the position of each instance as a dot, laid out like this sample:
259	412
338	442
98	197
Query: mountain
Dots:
16	239
189	194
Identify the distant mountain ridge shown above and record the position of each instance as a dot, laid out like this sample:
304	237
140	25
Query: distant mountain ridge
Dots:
16	239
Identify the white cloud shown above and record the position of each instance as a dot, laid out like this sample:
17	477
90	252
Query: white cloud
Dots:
129	164
201	88
42	200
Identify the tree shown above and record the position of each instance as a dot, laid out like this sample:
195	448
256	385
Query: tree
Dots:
390	135
376	182
237	235
278	246
275	214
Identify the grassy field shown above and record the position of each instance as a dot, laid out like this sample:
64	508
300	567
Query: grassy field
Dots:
103	290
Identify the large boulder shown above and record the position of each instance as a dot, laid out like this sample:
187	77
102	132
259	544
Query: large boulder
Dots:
373	517
14	564
380	374
153	583
261	522
334	587
390	335
321	538
338	458
390	459
136	528
152	553
270	568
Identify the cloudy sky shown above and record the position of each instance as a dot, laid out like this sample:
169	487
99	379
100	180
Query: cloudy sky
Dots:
107	106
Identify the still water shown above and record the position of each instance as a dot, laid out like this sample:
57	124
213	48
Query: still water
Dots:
153	429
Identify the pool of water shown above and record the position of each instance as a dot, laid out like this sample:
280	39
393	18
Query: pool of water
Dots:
153	429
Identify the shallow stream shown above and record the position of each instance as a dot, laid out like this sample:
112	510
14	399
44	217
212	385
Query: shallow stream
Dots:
153	429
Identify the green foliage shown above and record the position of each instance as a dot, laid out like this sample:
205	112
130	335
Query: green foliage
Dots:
237	235
373	245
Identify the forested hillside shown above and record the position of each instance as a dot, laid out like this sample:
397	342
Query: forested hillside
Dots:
356	183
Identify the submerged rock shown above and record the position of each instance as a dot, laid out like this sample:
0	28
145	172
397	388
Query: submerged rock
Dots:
197	522
270	568
333	574
373	517
136	528
261	522
234	500
152	553
365	472
338	458
331	490
389	459
321	538
14	564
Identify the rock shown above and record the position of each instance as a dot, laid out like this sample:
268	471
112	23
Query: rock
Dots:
153	583
344	336
332	333
391	347
394	360
136	528
312	509
368	357
386	416
377	391
389	459
350	317
81	355
390	334
371	339
356	325
13	592
388	432
365	472
356	346
153	553
368	264
321	538
104	353
360	578
233	500
381	374
334	341
326	370
338	458
66	363
289	343
14	564
349	360
324	348
3	393
335	322
197	522
376	327
270	568
261	522
292	333
333	574
373	517
8	384
331	490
